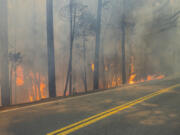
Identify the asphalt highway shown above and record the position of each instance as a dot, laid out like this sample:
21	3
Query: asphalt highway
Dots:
150	108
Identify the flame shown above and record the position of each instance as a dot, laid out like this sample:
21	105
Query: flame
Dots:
132	74
160	77
38	86
142	80
30	98
92	67
20	76
114	82
42	88
131	79
149	77
155	77
119	81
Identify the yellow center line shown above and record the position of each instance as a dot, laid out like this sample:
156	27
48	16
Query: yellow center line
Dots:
88	121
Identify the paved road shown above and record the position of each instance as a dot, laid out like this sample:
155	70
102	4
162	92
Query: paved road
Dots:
158	115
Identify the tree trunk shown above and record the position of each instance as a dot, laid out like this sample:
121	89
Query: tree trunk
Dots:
15	92
50	48
85	73
123	52
97	48
72	32
5	90
67	80
69	73
103	66
39	85
10	82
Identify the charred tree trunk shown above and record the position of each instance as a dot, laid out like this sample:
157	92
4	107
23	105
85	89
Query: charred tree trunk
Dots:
84	57
10	82
123	52
123	39
103	66
97	48
50	47
5	90
39	85
66	83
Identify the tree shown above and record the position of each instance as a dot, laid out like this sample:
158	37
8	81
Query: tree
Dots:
97	48
50	47
75	9
72	19
123	37
15	58
85	28
5	90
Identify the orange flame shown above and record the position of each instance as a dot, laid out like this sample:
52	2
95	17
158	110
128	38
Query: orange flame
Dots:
132	74
38	86
30	98
131	79
20	76
42	88
92	67
149	77
160	77
114	82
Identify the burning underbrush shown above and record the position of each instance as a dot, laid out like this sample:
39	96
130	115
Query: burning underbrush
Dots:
27	86
133	80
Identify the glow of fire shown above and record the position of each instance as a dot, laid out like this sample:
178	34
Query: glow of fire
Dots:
133	75
42	89
38	89
149	77
92	67
30	98
160	77
131	79
20	76
114	82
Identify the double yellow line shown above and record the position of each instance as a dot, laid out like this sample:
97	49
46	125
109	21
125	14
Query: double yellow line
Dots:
88	121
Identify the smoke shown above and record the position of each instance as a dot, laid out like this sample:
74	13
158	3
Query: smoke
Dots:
158	34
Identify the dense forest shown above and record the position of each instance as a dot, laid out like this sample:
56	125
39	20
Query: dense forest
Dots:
52	48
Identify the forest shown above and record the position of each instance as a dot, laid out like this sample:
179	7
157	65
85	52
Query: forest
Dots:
56	48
